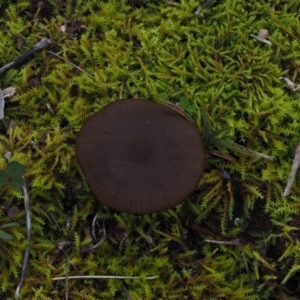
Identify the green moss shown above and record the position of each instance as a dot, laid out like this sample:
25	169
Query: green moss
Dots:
143	51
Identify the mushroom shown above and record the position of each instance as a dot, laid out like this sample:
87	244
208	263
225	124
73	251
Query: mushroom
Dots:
140	157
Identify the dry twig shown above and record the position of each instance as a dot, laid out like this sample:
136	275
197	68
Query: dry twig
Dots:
293	172
254	153
233	242
94	225
68	62
249	274
28	229
44	42
2	104
67	269
106	277
90	249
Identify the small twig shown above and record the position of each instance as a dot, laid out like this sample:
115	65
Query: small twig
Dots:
49	107
90	249
123	240
94	236
205	231
293	172
255	154
2	104
61	248
261	40
127	293
249	274
67	267
261	155
106	277
54	220
93	226
205	5
233	242
67	278
44	42
68	62
28	229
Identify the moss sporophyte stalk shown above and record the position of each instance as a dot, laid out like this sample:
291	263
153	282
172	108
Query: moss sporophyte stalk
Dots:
240	94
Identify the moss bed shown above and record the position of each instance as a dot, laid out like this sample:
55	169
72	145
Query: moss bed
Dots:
144	49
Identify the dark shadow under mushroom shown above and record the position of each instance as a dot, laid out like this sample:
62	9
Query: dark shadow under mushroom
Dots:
140	157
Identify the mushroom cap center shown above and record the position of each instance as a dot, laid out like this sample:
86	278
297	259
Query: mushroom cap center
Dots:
139	150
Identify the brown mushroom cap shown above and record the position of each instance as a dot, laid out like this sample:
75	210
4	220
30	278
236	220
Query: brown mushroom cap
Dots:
140	157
